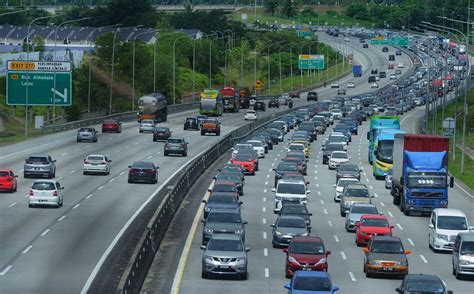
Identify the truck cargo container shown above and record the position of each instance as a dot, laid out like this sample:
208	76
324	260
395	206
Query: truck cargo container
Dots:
420	172
357	70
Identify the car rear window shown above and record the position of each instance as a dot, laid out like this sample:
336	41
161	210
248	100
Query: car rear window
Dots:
86	130
175	141
222	199
95	158
387	246
43	186
162	129
142	164
223	217
42	160
112	122
4	173
228	176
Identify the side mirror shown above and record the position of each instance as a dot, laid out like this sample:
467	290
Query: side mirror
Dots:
204	201
336	288
357	224
109	160
328	252
372	196
203	247
157	167
366	250
272	225
274	169
431	226
307	183
203	221
84	160
392	226
245	222
451	182
450	292
209	190
240	203
62	188
309	227
26	160
54	160
408	251
310	213
334	185
308	192
285	250
16	176
274	190
368	135
399	290
214	178
247	249
129	166
287	286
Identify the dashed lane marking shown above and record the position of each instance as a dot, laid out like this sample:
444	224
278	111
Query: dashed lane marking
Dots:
264	199
11	205
61	218
411	242
423	258
267	273
319	193
64	154
264	209
325	211
336	238
6	270
101	187
322	201
264	190
76	206
45	232
329	223
264	235
111	180
264	220
27	249
351	274
89	196
343	255
399	227
19	171
389	213
371	187
73	171
265	252
383	204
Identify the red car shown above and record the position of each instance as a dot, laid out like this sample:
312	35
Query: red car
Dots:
371	225
307	254
295	94
391	66
111	125
246	162
8	180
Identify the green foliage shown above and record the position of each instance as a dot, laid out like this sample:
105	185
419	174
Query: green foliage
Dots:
289	8
38	43
308	11
271	6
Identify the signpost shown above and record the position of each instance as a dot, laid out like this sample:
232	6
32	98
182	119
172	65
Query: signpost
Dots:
45	81
304	34
394	41
310	61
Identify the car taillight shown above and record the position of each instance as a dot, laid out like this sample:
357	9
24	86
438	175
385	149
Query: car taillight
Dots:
31	192
102	163
86	162
132	171
150	171
9	179
55	193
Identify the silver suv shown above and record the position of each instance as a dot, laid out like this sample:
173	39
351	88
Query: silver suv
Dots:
225	254
87	134
39	166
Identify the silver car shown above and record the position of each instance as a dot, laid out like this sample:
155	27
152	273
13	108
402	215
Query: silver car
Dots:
146	125
87	134
45	192
96	164
39	166
388	179
356	212
225	254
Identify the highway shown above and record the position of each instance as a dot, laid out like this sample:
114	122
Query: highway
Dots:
57	250
266	265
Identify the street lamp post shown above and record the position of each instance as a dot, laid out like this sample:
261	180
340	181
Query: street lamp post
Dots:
154	57
27	71
268	63
279	56
133	65
54	61
174	67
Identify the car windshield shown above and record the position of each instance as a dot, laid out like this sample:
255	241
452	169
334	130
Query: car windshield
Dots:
348	167
43	186
364	209
284	188
292	223
386	246
287	167
427	180
228	176
222	199
420	285
385	151
337	139
316	248
41	160
339	155
375	222
293	209
95	158
223	217
452	223
4	173
162	129
224	188
467	248
296	147
356	192
175	141
225	245
86	130
147	122
312	284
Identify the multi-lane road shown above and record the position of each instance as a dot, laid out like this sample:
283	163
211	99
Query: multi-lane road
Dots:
57	250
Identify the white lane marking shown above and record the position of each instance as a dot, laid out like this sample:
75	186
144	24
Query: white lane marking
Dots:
61	218
364	173
73	171
316	166
60	178
353	278
315	171
117	151
19	171
316	178
423	258
27	249
6	270
375	195
389	213
264	199
325	211
266	182
319	193
110	139
264	220
126	147
330	223
100	188
270	170
317	185
367	180
76	206
399	227
268	176
45	232
411	242
336	238
464	190
322	201
383	204
371	187
111	180
267	273
11	205
64	154
265	235
264	209
150	156
89	196
264	190
136	143
343	255
121	174
362	168
265	252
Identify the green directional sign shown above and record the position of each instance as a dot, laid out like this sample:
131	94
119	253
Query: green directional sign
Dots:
399	41
310	61
304	34
379	42
39	83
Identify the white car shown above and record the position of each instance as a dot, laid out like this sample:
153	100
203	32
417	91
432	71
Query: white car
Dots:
346	39
96	164
374	85
250	115
146	125
350	85
257	146
388	179
400	65
339	187
283	100
296	147
335	85
336	113
336	158
393	76
444	226
290	191
45	192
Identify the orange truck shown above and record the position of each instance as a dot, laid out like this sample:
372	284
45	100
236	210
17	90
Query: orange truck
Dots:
211	126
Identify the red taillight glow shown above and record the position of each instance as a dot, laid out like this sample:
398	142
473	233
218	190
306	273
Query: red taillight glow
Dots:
55	193
150	171
132	171
9	179
31	192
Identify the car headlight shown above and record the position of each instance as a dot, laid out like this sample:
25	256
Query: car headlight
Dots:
238	232
321	261
278	233
209	231
402	263
208	258
347	203
207	208
464	262
374	262
304	234
240	259
441	236
293	260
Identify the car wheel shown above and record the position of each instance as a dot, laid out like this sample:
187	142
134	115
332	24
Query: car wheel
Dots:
204	275
244	276
218	133
140	131
202	133
78	140
458	275
84	173
16	187
130	181
185	154
454	271
166	153
30	205
343	214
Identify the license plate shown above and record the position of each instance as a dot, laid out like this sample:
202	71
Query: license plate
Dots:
387	269
95	164
43	200
306	269
224	266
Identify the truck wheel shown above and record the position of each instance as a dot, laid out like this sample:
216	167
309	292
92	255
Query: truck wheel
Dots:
203	133
218	133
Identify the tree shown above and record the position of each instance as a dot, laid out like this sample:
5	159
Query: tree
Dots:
289	8
38	43
271	6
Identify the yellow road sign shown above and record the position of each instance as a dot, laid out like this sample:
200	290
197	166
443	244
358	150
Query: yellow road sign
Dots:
258	85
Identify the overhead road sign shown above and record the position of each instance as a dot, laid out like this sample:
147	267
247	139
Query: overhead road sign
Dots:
311	61
49	83
394	41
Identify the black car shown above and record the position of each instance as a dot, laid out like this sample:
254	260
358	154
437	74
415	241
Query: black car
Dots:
374	71
237	178
143	171
382	75
223	221
312	96
391	57
328	148
348	170
259	106
297	210
161	134
191	123
385	49
219	200
274	103
284	167
420	283
365	45
176	146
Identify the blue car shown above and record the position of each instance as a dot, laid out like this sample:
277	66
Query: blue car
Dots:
311	282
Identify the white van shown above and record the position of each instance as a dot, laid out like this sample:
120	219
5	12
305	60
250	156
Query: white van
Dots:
463	255
291	192
445	224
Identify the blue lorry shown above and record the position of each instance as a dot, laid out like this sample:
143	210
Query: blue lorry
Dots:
357	70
